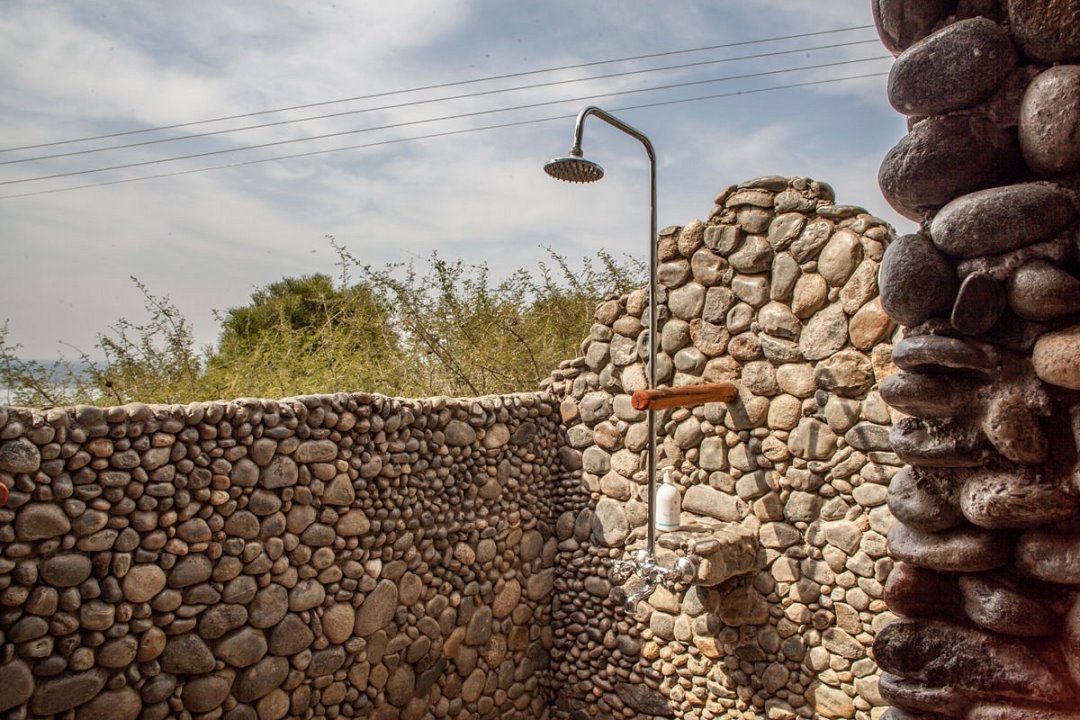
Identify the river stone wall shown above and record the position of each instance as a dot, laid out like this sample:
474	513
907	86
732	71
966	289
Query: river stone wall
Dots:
784	487
331	556
987	545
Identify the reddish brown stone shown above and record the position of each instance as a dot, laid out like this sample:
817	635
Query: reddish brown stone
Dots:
1002	608
940	654
1048	554
916	696
926	498
914	591
1046	30
979	304
901	23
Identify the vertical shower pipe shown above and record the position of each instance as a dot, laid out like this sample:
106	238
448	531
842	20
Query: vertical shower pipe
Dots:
579	129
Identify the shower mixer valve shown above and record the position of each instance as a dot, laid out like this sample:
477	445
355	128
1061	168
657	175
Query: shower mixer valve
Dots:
644	564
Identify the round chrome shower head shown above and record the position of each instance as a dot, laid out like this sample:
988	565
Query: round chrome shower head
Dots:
574	169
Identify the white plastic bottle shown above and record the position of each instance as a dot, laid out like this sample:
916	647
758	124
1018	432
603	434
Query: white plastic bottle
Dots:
668	504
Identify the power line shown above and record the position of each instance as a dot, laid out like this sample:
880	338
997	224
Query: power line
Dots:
457	116
437	86
429	136
413	103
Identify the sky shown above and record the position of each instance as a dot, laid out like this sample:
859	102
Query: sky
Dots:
208	239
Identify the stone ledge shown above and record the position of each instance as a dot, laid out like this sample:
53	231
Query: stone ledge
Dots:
726	549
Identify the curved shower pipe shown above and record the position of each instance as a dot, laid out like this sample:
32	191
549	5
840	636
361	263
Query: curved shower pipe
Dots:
575	168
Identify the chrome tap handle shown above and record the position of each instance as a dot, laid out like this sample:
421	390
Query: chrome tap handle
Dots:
686	567
621	571
681	573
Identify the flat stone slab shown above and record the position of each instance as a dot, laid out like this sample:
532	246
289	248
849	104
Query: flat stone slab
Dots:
726	549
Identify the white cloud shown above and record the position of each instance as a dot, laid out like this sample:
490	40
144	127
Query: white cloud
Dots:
208	239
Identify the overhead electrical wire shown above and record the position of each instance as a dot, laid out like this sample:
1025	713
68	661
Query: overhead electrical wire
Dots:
445	98
428	136
437	86
457	116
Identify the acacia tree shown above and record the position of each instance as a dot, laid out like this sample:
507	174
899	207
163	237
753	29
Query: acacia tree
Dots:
305	335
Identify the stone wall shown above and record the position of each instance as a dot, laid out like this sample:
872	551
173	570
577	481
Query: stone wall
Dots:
989	292
337	556
361	556
784	489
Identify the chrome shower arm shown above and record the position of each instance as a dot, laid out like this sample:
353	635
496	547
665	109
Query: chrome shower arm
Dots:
579	130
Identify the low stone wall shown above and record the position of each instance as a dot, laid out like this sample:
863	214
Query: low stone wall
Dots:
784	487
337	556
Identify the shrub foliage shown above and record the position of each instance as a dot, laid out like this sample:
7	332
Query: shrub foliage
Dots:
436	327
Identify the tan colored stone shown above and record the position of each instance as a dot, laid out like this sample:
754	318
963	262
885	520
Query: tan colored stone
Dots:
1057	358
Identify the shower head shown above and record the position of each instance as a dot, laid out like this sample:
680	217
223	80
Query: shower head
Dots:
574	168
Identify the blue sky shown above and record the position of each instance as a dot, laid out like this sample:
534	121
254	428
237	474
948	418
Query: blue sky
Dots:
208	239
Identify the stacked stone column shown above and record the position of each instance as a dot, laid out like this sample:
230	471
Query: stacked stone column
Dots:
987	578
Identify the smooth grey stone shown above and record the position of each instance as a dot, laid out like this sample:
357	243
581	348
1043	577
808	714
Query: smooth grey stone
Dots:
786	226
708	269
779	351
824	334
867	436
718	301
777	319
956	67
994	221
812	440
917	281
705	500
848	373
945	157
813	237
610	526
755	255
785	272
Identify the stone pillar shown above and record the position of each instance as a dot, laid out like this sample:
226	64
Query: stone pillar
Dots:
987	545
